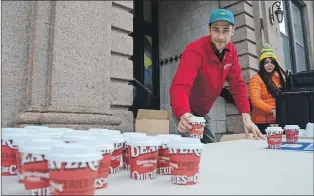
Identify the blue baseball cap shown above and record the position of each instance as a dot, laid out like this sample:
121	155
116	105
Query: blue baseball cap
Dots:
221	14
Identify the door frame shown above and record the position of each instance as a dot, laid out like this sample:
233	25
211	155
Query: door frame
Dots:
141	28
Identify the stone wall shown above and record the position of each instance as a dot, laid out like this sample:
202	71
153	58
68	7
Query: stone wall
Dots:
67	68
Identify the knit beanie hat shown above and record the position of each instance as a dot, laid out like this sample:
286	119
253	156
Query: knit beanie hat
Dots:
267	52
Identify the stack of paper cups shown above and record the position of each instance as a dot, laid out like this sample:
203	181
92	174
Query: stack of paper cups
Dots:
106	148
73	168
125	149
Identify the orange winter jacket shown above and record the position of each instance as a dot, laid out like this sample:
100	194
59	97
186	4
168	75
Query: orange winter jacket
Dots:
261	100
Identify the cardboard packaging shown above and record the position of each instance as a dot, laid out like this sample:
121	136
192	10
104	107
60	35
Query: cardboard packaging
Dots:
152	122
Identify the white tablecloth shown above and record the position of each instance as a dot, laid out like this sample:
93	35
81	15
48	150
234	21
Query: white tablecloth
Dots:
234	167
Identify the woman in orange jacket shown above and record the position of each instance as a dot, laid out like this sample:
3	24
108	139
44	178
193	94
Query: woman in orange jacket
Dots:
263	88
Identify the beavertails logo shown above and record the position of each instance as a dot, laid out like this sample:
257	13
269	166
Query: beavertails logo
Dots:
93	165
8	143
197	152
140	150
31	158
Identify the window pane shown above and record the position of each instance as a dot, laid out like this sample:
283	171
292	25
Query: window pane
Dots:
148	71
297	24
286	51
300	58
147	5
284	25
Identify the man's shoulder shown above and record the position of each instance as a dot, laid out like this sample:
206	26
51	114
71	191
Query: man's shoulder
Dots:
199	44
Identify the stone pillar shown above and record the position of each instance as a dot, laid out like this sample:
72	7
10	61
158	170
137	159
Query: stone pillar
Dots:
245	42
77	65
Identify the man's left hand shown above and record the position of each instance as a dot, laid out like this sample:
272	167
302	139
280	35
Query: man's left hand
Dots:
249	126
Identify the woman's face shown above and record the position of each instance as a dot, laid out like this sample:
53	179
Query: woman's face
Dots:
268	65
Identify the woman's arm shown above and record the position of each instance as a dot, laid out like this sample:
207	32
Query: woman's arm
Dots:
255	88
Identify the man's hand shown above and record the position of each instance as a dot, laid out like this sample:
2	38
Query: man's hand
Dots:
184	124
250	126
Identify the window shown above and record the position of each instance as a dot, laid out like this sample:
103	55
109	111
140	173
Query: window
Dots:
292	32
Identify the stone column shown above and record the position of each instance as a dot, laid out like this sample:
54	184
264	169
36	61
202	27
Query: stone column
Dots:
245	41
77	65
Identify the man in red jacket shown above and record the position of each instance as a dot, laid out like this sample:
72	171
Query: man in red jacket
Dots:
204	67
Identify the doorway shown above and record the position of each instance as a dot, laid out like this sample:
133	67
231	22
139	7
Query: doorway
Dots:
146	94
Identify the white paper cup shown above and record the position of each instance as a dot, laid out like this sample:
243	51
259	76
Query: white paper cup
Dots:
274	137
116	156
309	131
73	162
106	147
125	149
9	136
292	133
143	157
185	156
163	162
35	166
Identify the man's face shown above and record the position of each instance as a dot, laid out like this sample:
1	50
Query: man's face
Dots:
220	32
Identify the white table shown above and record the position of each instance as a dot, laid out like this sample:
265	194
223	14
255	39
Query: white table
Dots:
234	167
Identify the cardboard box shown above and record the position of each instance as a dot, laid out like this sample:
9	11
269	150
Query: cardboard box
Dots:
152	122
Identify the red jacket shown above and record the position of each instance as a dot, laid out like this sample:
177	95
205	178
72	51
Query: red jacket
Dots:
200	78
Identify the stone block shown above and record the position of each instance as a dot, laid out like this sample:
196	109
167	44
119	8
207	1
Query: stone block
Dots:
121	43
195	17
121	67
235	124
226	4
205	10
122	19
245	47
126	118
204	30
125	4
185	40
121	94
221	126
220	109
195	33
241	7
167	74
244	20
243	34
247	73
247	61
193	4
231	109
176	44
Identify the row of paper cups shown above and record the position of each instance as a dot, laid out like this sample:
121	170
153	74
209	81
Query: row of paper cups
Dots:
59	160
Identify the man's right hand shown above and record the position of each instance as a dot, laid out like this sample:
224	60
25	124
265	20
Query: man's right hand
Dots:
184	124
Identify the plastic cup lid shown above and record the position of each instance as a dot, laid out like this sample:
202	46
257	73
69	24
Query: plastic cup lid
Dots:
103	144
75	152
78	135
128	135
13	133
144	141
197	119
35	126
95	130
116	138
274	129
38	146
185	143
292	127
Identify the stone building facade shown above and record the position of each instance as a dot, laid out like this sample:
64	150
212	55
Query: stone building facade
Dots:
69	63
